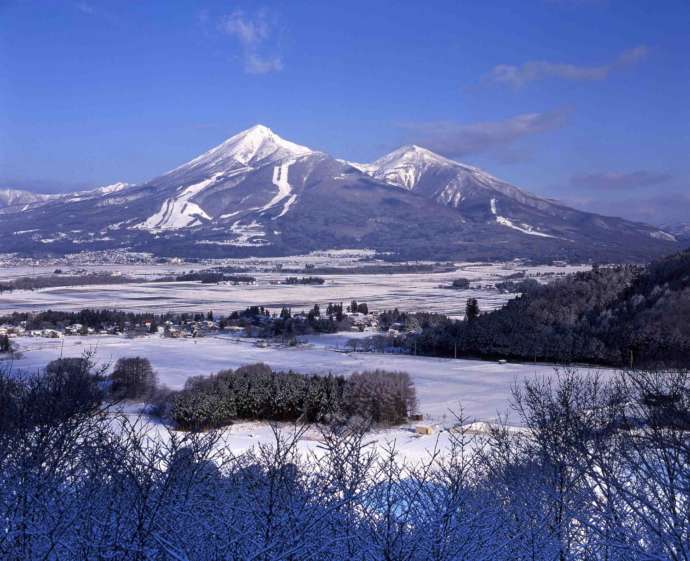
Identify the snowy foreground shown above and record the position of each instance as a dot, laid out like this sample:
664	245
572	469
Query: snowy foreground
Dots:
443	385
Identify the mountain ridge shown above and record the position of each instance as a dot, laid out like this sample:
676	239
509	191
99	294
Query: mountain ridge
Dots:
257	192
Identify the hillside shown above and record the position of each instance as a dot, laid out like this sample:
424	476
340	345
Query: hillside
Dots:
618	316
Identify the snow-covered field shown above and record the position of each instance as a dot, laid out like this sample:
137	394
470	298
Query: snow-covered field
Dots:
409	292
481	387
443	385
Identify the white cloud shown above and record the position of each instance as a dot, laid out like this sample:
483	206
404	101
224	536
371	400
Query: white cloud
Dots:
249	31
86	8
255	64
664	208
519	75
460	139
255	35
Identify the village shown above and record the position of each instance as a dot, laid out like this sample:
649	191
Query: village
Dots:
255	322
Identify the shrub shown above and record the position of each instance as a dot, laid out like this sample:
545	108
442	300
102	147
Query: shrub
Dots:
67	388
5	344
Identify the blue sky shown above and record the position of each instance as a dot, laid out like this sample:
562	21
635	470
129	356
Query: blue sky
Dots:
587	101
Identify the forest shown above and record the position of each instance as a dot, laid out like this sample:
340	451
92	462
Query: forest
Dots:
619	316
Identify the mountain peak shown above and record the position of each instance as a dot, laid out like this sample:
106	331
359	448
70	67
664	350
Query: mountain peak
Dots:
257	144
414	152
404	167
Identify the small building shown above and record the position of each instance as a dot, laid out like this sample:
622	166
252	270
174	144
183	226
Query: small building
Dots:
423	430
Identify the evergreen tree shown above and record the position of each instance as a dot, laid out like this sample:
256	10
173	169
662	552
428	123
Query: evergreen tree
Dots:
5	344
471	309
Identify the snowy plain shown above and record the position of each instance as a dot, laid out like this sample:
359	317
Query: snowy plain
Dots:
409	292
482	389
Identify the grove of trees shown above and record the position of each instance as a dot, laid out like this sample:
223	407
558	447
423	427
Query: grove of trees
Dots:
257	392
133	378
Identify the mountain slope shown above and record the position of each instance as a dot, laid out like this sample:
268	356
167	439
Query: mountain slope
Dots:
258	194
482	197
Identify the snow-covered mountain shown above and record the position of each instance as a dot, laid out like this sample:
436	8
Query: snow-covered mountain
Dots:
18	197
478	195
681	230
257	193
17	200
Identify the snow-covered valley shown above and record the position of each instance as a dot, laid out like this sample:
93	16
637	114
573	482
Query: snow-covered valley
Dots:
481	389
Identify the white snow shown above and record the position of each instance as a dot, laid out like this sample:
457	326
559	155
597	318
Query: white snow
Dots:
113	188
661	235
10	197
409	292
404	166
248	235
280	180
483	388
524	228
369	169
286	207
254	145
179	211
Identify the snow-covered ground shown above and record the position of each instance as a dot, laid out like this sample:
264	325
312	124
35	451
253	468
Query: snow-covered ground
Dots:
443	385
409	292
481	387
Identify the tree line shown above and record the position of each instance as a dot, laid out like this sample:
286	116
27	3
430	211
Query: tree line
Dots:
57	280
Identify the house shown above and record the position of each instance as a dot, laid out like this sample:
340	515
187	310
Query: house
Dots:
423	430
74	329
